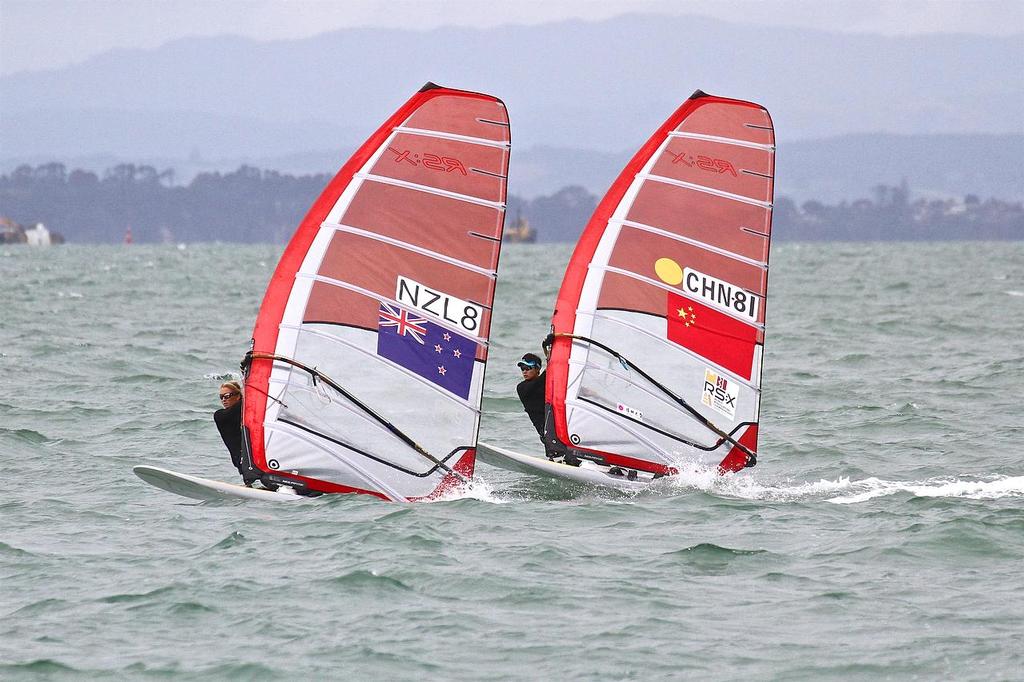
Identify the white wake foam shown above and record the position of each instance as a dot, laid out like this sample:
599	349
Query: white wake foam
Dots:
988	488
476	489
843	490
747	487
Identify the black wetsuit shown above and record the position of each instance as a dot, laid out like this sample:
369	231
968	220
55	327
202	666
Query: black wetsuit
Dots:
531	394
229	423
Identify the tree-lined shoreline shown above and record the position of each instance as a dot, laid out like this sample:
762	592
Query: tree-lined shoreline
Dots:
257	205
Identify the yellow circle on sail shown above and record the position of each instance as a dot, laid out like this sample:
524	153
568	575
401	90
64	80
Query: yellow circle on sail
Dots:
669	271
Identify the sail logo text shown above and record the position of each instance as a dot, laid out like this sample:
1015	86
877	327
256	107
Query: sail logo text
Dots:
630	411
448	164
720	394
721	294
439	304
705	163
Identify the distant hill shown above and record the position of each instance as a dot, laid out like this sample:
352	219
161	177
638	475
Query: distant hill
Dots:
935	165
600	86
851	111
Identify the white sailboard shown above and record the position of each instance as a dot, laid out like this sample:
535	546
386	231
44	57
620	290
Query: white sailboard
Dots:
199	488
588	473
659	322
367	362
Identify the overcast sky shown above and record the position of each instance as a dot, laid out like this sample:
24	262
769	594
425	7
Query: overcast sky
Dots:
41	34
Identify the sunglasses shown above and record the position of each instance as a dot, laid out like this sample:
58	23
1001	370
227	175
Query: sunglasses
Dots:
523	365
225	396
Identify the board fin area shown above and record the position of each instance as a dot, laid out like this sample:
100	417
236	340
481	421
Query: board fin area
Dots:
198	488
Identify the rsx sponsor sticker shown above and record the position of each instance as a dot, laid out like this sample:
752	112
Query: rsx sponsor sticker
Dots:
720	294
439	304
720	394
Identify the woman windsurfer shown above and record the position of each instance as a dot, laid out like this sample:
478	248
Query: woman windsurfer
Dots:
229	423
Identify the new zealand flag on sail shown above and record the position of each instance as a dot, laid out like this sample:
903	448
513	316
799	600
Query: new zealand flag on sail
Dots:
429	350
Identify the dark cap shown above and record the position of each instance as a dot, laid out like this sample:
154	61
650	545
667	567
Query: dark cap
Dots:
529	361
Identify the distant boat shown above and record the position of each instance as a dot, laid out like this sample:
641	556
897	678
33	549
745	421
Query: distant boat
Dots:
37	235
659	323
368	353
11	232
520	232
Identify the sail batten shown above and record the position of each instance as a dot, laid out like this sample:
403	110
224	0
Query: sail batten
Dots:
664	299
704	188
723	140
369	350
695	242
431	190
452	136
410	247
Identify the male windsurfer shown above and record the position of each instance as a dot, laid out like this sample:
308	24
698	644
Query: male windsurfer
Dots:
531	390
531	393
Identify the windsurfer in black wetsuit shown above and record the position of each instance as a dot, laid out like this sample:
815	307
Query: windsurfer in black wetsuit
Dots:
531	391
229	423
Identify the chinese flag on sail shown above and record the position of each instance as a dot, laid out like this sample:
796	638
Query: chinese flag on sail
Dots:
722	339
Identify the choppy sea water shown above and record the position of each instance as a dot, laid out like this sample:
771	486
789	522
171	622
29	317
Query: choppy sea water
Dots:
881	535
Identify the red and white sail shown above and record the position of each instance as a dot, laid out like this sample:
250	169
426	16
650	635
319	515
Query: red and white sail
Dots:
370	345
664	298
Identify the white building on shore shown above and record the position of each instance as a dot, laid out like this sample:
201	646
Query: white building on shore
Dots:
38	235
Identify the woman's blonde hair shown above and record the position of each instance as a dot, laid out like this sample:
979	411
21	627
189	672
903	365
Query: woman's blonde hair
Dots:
233	385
